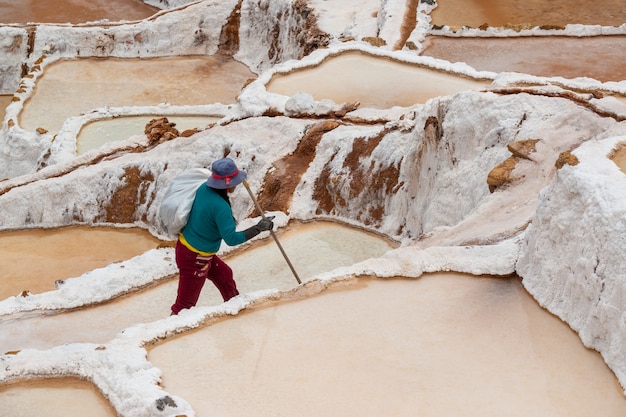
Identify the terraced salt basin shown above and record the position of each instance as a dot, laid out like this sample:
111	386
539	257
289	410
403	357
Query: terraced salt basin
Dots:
462	343
313	248
374	82
96	134
5	100
558	13
619	158
83	85
69	252
437	344
547	56
577	57
54	398
53	11
248	352
444	344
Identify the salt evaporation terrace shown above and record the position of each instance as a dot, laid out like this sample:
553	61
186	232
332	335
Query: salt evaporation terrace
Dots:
507	181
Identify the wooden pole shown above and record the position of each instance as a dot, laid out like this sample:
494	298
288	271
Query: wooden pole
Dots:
258	207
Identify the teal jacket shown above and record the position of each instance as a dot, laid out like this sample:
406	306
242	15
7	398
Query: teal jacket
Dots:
211	221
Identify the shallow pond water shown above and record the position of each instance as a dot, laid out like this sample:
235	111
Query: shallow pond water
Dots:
619	158
548	56
373	81
95	134
312	248
444	344
474	13
32	260
86	84
61	397
441	345
5	100
73	11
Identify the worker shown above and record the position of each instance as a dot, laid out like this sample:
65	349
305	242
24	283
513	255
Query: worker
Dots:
211	221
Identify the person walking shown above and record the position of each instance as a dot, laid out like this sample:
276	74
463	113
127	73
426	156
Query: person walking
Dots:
211	221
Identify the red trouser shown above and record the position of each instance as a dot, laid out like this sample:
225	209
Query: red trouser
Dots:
194	270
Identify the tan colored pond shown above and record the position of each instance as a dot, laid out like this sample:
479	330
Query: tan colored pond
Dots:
62	397
85	84
442	345
73	11
95	134
312	248
549	56
568	57
5	100
619	157
474	13
373	81
32	260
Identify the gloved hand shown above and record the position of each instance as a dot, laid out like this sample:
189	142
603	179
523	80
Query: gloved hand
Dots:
266	223
262	226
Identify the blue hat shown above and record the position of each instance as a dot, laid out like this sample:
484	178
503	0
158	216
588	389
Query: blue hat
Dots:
225	174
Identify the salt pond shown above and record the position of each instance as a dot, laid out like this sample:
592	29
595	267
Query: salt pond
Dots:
62	397
440	345
548	56
32	260
312	248
372	81
435	345
5	100
96	134
560	13
73	11
619	157
83	85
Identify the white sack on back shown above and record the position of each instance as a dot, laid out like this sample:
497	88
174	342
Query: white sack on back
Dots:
178	200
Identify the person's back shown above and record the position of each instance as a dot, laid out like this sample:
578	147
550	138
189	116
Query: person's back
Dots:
210	221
